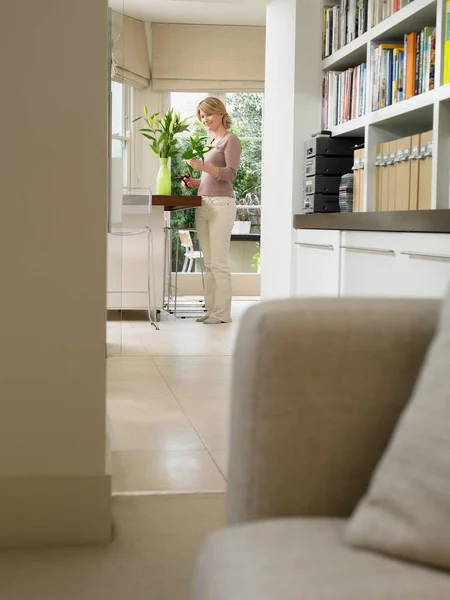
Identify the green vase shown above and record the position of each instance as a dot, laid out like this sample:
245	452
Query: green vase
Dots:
164	181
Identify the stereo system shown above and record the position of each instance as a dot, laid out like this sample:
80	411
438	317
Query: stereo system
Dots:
326	160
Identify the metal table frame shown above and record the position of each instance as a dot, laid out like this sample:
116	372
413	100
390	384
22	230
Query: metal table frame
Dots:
171	302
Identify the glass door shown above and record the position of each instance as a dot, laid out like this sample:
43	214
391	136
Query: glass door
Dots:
116	129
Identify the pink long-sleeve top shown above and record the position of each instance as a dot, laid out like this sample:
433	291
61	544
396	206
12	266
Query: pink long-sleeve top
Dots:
225	155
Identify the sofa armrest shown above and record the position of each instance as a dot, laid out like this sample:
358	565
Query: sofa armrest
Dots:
317	388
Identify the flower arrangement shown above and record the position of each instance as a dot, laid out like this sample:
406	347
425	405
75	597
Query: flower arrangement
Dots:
162	131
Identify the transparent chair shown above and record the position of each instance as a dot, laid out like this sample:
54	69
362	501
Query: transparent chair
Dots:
174	303
139	201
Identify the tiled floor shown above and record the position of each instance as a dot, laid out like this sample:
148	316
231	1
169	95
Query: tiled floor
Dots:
168	402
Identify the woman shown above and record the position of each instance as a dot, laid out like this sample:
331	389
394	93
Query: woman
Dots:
215	217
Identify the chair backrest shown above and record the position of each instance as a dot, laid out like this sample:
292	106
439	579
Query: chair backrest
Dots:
185	239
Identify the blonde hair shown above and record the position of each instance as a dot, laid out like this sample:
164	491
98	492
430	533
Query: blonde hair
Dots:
214	106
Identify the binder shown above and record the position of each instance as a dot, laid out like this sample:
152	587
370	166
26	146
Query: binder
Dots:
391	175
378	172
402	174
357	181
425	164
384	187
361	179
414	172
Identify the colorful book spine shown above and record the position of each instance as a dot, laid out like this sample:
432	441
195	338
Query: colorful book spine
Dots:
432	60
401	71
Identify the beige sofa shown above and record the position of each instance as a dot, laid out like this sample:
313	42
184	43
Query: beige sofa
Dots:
318	386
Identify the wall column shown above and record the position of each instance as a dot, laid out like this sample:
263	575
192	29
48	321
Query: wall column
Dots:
54	488
291	115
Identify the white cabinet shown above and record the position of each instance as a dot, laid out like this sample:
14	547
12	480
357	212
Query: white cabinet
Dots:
317	263
396	265
424	265
368	264
372	264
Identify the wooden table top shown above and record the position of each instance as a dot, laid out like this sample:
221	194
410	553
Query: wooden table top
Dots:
176	202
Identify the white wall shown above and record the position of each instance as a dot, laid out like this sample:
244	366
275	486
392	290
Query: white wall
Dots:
292	114
53	486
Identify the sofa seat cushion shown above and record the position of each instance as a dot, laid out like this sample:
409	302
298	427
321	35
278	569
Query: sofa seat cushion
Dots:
305	559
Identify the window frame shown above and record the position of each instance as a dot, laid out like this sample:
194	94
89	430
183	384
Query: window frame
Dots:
127	97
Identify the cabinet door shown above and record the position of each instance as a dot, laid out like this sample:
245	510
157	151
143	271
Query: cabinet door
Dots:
317	263
424	264
369	264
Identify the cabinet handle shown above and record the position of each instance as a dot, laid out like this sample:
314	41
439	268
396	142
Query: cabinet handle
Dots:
370	250
425	255
317	246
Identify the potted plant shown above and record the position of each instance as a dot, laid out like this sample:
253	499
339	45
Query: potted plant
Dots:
161	132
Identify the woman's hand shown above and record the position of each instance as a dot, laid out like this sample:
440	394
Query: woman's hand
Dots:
196	164
185	182
189	182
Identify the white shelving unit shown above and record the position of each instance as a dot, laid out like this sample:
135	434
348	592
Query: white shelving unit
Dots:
428	111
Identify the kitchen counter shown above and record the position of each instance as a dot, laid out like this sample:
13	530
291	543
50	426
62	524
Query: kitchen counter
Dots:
420	221
170	203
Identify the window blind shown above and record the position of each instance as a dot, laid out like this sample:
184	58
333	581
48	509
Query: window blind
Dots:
130	55
207	57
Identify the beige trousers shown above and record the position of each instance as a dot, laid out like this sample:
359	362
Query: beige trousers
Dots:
214	221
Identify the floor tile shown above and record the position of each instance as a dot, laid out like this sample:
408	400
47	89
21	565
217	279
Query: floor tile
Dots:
176	346
220	457
195	360
152	410
214	434
137	437
199	373
130	368
153	387
165	471
188	389
202	410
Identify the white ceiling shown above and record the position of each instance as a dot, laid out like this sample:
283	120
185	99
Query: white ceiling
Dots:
208	12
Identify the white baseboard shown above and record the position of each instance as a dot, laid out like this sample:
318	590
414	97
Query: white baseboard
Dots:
55	511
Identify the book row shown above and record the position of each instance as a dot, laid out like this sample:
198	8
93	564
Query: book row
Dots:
405	69
382	9
348	19
342	24
343	96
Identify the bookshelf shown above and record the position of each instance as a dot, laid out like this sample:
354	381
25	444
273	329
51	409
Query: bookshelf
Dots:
426	111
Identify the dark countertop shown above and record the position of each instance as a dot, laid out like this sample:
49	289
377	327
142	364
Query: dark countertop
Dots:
170	203
245	237
418	221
